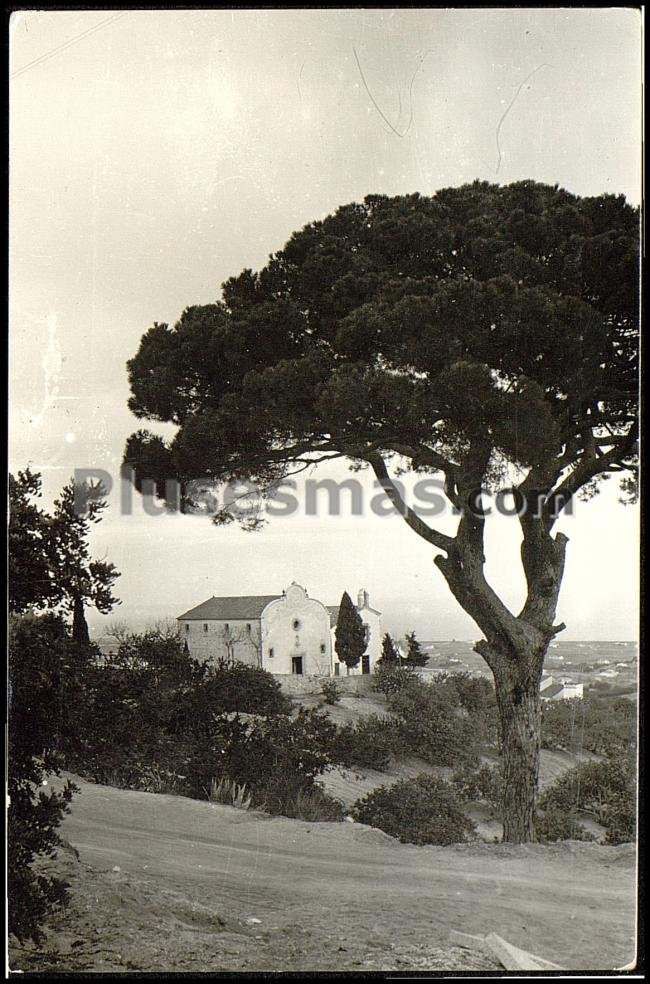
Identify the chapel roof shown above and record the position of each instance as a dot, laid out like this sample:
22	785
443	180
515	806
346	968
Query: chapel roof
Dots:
232	607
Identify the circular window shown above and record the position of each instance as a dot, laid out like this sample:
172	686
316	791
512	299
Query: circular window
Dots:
296	624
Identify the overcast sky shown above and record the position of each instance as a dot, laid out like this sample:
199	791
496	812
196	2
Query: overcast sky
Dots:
156	153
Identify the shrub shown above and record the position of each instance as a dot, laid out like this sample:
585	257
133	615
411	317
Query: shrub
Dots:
297	749
255	751
43	662
229	793
331	693
483	785
555	824
135	774
283	797
433	724
621	822
478	698
604	790
445	721
424	810
389	679
604	725
368	744
153	715
154	719
158	655
243	688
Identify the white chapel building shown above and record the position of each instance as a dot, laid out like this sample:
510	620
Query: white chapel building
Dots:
284	634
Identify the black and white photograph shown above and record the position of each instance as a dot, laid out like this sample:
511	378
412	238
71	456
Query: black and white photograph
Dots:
324	532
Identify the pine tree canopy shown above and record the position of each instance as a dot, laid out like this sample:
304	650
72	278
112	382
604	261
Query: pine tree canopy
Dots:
480	326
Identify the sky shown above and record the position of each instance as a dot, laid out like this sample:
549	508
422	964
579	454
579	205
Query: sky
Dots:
153	154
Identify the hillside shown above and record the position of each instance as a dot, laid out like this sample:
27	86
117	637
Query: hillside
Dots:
167	883
349	785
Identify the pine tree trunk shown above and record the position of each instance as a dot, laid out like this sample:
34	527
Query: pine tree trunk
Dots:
519	703
514	648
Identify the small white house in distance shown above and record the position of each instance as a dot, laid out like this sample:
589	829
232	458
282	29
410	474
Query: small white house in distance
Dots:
289	633
551	689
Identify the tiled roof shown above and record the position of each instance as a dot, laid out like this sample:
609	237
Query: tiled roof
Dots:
552	691
236	607
247	606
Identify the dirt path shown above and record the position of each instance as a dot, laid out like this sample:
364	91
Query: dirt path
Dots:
170	883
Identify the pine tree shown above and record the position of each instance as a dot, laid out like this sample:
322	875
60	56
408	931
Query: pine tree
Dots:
415	656
389	653
350	641
521	300
50	565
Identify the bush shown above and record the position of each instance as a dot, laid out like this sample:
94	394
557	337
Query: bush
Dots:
32	834
283	797
603	725
157	655
424	810
389	678
445	721
555	824
331	693
247	689
256	752
482	785
367	744
134	774
478	698
43	663
229	793
621	822
603	790
151	718
433	724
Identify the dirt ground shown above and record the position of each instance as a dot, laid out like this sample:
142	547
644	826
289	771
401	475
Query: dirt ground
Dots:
166	883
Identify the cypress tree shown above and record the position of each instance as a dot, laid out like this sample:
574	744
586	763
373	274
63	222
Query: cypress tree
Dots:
350	640
389	653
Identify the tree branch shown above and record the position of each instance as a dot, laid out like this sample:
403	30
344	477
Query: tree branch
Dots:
589	466
428	533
